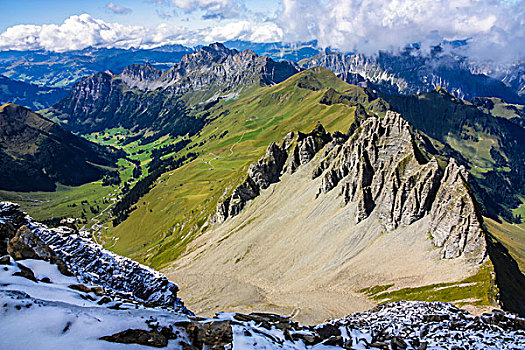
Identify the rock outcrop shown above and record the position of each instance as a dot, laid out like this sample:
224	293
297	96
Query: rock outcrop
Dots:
26	245
382	169
10	219
455	221
295	150
87	260
307	146
260	175
382	166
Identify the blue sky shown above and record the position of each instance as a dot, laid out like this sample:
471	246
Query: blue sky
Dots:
494	29
149	12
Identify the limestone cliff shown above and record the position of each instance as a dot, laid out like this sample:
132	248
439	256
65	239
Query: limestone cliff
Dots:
382	169
295	150
455	222
379	167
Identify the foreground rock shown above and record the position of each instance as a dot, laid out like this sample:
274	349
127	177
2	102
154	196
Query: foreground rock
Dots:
88	261
64	318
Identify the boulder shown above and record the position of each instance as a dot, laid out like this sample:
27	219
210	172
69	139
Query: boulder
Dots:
138	336
26	245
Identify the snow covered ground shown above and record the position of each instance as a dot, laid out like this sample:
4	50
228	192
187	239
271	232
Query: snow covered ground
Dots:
54	311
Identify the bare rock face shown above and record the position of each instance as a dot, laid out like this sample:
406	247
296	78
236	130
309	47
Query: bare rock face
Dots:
138	336
260	175
307	146
26	245
455	222
11	218
77	254
381	168
267	170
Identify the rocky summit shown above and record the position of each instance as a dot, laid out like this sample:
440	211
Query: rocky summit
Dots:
96	312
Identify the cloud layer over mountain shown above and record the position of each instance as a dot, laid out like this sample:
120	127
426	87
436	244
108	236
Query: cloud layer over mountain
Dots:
494	29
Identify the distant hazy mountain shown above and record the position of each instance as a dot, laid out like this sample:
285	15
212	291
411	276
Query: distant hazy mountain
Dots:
29	95
278	51
65	68
35	153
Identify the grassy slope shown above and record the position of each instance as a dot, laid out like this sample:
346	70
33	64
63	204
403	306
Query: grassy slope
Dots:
512	236
476	290
168	217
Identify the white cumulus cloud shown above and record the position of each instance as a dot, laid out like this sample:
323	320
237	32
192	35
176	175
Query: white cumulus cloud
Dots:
78	32
494	28
213	9
244	30
81	31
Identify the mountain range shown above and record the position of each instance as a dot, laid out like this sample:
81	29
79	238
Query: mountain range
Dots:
408	71
144	97
270	185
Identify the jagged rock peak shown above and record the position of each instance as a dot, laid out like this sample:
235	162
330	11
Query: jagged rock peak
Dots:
218	48
307	146
456	225
381	168
260	175
211	65
134	74
295	150
87	260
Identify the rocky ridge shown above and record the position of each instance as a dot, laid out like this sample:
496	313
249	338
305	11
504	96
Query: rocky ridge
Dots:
295	150
28	239
212	65
411	72
380	167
